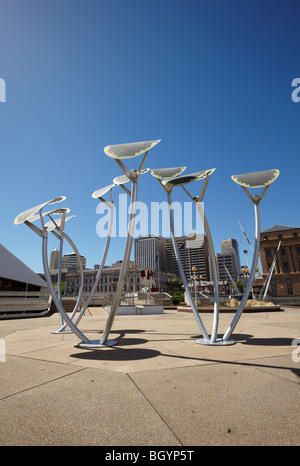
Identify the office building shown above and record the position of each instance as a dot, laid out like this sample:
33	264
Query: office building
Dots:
225	266
192	253
149	252
53	260
229	260
285	280
231	246
70	261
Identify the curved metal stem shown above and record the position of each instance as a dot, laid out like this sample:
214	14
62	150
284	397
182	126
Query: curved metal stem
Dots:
58	304
251	275
61	321
64	235
214	272
101	266
181	271
124	266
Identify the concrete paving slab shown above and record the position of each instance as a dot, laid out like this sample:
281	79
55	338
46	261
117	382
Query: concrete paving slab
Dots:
156	387
19	374
90	407
131	359
225	404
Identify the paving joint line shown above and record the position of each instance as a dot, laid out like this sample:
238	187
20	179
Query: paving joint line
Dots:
153	407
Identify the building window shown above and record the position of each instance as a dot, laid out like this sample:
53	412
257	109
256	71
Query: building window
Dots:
279	236
274	292
286	266
265	238
268	252
295	235
290	291
298	250
282	251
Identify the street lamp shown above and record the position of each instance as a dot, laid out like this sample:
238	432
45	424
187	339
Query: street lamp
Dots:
262	179
182	181
99	195
59	224
119	152
27	217
172	179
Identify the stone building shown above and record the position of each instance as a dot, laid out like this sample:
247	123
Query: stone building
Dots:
285	279
137	279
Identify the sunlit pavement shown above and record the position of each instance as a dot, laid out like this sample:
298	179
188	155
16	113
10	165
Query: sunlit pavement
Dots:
156	387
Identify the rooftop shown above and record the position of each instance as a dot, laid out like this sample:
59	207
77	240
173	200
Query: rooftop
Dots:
280	228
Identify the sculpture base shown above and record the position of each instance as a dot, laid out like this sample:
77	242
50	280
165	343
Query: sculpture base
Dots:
96	344
61	331
218	342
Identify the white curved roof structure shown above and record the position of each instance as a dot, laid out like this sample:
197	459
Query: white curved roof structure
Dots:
12	268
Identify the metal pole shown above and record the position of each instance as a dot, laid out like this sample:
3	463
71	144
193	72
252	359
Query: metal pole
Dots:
101	266
181	271
214	270
58	304
63	235
247	259
124	266
61	321
59	265
271	272
251	276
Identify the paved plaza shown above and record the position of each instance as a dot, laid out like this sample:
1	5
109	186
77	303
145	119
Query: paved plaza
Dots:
157	387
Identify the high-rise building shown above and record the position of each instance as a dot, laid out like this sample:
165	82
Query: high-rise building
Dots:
192	253
225	267
231	247
53	260
228	261
149	252
70	261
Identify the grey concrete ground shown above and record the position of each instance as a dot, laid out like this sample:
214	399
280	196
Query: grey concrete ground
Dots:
157	387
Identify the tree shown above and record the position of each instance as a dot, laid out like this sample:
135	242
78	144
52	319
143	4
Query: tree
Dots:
240	286
174	284
177	297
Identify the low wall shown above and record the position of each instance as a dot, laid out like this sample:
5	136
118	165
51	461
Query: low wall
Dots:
15	304
145	310
232	309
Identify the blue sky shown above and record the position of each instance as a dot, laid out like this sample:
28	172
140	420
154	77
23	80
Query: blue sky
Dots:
210	78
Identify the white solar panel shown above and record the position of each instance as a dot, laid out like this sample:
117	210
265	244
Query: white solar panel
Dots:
21	218
162	173
180	180
129	150
256	179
